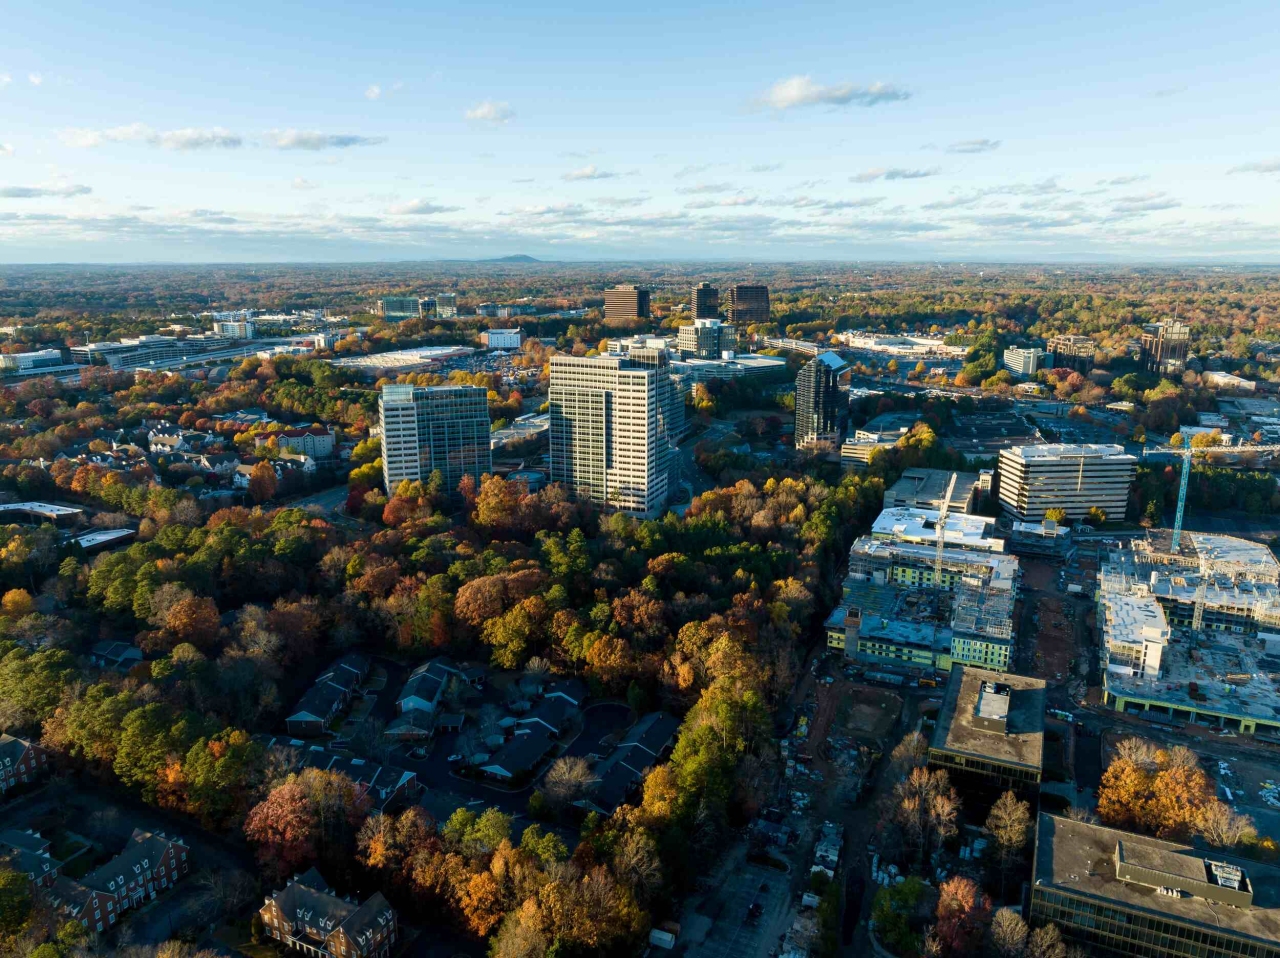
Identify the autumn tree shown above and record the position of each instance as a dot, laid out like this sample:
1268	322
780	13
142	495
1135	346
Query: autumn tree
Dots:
910	753
1009	823
963	913
567	780
262	481
312	815
17	603
1008	934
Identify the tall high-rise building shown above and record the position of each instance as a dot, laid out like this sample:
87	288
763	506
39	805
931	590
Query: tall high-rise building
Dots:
614	423
706	339
1023	362
447	305
748	305
704	301
425	428
394	309
626	302
820	405
1072	352
1075	478
1164	347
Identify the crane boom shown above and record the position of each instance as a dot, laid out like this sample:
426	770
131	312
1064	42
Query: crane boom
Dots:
942	532
1186	451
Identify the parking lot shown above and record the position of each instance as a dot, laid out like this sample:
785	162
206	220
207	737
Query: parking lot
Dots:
721	927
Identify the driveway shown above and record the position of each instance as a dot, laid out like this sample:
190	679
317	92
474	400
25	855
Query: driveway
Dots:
600	722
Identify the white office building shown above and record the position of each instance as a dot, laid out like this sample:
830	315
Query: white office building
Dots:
614	423
38	359
425	428
1075	478
1024	362
239	329
1135	633
503	338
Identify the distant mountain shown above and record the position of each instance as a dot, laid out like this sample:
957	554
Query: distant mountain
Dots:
518	258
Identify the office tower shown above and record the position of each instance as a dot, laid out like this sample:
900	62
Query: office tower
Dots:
748	305
395	309
704	301
706	339
613	429
1025	362
447	305
820	405
1072	352
425	428
1164	347
625	303
1034	479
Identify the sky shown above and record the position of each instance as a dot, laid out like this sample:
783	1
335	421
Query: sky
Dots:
981	131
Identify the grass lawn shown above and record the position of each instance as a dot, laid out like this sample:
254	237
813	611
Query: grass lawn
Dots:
236	937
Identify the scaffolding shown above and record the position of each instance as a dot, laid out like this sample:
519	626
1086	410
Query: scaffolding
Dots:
980	610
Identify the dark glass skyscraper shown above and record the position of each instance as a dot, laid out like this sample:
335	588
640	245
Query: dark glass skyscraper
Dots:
820	405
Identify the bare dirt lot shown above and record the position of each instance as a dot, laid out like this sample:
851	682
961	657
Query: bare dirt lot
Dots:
871	714
1055	639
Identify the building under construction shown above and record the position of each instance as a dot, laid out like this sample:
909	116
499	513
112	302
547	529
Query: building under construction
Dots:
1193	634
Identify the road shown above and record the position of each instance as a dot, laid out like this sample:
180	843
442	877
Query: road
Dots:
328	501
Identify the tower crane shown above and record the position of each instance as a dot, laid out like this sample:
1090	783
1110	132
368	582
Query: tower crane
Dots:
1187	451
941	530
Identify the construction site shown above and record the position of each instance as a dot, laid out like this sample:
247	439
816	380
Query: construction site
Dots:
1191	630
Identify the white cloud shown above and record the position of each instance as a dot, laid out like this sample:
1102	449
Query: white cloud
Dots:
892	173
591	172
35	78
691	170
830	206
1264	166
6	149
421	208
195	139
189	138
1124	180
1145	203
618	202
5	80
973	146
313	140
36	192
491	111
372	92
302	183
730	201
707	188
765	168
802	91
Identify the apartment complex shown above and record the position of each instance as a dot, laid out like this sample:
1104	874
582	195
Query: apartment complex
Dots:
1024	362
1075	478
748	305
820	405
990	731
394	309
425	428
1117	894
37	359
614	424
1222	594
311	917
1072	352
22	762
150	864
706	339
625	302
1164	347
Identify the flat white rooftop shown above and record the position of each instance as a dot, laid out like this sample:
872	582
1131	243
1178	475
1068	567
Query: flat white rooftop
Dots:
1132	619
40	508
404	357
909	524
1229	550
1059	450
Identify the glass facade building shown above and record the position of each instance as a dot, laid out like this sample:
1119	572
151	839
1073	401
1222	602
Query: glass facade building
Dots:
425	428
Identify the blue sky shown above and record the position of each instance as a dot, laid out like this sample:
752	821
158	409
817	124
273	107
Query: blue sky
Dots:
981	131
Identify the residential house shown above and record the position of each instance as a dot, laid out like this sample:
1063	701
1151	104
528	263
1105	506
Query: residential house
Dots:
520	755
150	864
299	460
221	464
619	774
120	656
551	714
655	733
426	684
329	695
167	444
21	762
572	691
308	915
26	851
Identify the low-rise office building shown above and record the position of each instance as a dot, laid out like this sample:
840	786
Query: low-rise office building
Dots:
990	731
926	488
37	359
1024	362
502	338
1117	894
